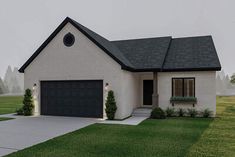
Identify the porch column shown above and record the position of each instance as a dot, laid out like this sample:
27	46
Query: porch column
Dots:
155	90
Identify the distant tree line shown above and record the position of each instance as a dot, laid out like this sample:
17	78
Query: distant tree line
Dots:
224	85
12	82
232	80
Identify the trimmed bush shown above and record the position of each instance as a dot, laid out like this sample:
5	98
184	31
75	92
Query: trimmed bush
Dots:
28	103
181	112
192	112
110	105
20	111
206	113
158	113
170	112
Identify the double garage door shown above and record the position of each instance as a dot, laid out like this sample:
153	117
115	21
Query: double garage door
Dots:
72	98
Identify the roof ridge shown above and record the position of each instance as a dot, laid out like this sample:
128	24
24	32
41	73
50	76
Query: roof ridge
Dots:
141	38
169	45
199	36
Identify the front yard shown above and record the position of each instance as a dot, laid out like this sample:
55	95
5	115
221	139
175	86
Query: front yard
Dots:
219	139
174	137
9	104
4	118
162	138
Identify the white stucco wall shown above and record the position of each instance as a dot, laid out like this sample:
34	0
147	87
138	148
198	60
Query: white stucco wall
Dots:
83	61
205	89
130	92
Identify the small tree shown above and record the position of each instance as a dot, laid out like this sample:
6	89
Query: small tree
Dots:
28	103
233	79
110	105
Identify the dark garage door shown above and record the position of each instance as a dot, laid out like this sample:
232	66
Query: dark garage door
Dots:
72	98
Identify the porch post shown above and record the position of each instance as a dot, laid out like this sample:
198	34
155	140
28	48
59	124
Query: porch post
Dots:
155	90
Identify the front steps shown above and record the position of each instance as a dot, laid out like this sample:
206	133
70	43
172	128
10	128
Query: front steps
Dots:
142	112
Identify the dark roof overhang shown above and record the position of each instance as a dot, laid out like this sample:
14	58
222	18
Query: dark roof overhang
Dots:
192	69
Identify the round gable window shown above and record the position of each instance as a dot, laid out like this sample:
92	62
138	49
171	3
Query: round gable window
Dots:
69	39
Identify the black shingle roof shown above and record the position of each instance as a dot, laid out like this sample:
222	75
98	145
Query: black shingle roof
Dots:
145	53
150	54
190	53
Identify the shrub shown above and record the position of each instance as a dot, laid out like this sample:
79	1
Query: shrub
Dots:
110	105
206	113
192	112
170	112
20	111
28	103
158	113
181	112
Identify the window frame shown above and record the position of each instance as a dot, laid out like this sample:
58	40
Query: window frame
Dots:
183	79
65	39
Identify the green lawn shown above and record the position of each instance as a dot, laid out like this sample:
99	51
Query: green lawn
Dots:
5	118
175	137
219	139
9	104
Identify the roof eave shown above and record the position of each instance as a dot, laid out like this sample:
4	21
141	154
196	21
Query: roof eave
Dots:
172	70
141	70
192	69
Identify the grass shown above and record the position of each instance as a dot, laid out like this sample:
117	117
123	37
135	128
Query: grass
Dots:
219	139
2	118
174	137
9	104
5	118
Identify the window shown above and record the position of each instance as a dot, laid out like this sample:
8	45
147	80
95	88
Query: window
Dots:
69	39
183	87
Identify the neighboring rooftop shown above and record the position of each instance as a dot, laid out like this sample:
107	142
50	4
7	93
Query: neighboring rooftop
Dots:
150	54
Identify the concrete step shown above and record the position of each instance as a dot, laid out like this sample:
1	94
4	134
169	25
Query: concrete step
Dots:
139	111
141	115
142	112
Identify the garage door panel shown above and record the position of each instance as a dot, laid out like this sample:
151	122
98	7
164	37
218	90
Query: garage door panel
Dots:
72	98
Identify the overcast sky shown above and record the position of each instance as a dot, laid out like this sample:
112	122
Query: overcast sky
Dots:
25	24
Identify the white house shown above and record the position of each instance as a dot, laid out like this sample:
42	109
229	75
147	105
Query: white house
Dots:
74	68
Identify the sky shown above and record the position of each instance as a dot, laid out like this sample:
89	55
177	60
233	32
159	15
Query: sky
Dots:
25	24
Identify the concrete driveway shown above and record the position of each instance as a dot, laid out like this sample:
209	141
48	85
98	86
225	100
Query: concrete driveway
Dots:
24	132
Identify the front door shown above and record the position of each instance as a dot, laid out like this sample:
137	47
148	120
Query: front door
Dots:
147	92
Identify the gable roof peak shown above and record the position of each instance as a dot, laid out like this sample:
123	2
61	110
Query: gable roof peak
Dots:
100	41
